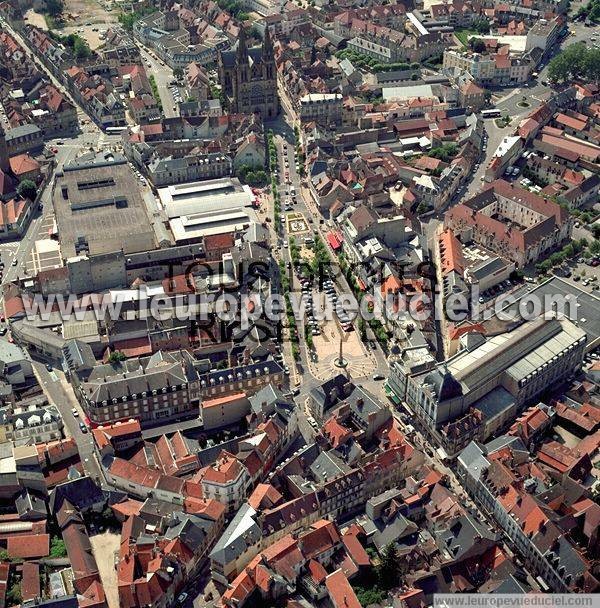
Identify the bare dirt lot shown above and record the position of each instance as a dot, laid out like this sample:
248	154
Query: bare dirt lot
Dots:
81	17
105	546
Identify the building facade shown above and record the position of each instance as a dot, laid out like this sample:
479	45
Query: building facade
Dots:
249	77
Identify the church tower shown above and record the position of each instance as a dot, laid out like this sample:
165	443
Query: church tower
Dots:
4	164
242	56
268	54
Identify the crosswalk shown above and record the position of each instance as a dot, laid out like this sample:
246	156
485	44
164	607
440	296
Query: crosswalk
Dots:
9	246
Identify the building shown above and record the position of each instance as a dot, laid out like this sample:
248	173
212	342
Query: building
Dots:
544	34
522	511
500	69
161	387
512	222
100	213
322	108
25	138
480	390
224	411
163	171
227	481
207	208
249	77
33	421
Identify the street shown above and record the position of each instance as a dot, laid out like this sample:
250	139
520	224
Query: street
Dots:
59	392
163	76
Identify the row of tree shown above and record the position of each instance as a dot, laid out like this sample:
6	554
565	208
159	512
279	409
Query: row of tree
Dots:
576	61
568	252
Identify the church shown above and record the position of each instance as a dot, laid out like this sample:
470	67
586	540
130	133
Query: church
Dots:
249	77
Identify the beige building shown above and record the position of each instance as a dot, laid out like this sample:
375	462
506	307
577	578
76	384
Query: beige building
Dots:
224	411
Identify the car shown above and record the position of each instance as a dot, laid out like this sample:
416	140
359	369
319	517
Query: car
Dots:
75	412
481	299
49	367
83	428
2	331
378	377
14	262
285	244
577	278
182	597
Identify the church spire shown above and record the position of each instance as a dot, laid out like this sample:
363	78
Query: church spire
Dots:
4	160
267	45
242	47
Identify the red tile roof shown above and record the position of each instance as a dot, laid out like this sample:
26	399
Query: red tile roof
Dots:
30	582
340	592
355	550
318	573
23	163
28	546
264	496
103	434
208	403
219	241
226	470
451	255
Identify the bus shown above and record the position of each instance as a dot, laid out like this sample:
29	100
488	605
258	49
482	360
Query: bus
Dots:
490	113
115	130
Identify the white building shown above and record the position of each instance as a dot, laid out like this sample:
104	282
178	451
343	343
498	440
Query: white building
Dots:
198	209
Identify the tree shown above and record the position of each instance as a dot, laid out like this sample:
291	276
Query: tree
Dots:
81	48
27	189
366	597
569	251
13	595
576	61
387	570
477	45
54	7
177	73
422	208
595	247
481	25
57	547
544	267
116	356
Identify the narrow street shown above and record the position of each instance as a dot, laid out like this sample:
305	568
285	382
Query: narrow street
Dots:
163	76
59	392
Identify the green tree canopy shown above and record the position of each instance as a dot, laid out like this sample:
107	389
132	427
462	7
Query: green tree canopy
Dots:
81	48
477	44
27	189
576	61
387	570
54	7
481	25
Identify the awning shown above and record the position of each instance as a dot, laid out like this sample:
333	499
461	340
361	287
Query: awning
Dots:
391	395
334	241
361	284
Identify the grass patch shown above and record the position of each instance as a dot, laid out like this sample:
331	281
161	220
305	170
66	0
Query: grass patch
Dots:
463	36
54	23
